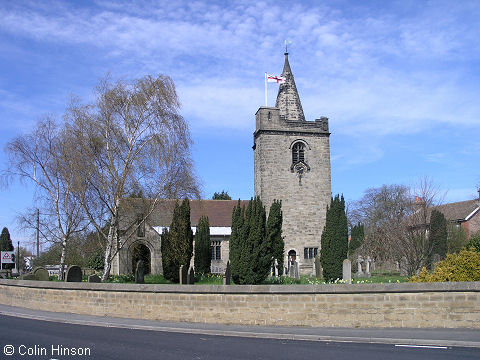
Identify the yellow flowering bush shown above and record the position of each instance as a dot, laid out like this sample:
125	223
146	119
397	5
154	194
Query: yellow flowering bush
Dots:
462	266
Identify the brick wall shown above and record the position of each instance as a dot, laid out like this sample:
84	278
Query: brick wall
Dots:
439	305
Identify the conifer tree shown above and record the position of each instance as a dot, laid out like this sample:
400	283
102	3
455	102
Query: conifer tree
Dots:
5	241
238	215
437	236
358	234
177	243
6	245
334	240
274	234
250	258
203	258
261	260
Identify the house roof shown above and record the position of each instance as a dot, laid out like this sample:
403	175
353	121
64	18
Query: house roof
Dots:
219	212
462	210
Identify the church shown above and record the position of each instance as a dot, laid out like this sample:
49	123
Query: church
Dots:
291	163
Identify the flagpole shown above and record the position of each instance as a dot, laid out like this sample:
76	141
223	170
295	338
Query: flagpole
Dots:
266	103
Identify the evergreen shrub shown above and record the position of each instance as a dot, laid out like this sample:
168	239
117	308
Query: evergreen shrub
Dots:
462	266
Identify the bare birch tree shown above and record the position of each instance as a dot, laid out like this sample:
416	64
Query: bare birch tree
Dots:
130	140
41	157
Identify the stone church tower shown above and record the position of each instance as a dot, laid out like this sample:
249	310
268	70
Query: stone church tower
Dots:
292	163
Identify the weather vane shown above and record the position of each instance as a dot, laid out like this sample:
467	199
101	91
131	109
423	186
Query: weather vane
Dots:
287	42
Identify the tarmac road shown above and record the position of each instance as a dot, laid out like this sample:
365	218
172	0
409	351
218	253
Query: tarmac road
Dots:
38	339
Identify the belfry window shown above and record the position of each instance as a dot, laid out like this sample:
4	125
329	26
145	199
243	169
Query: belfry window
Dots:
298	153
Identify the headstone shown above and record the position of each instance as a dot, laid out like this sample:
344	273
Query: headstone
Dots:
140	273
228	274
183	275
276	268
294	271
4	274
94	278
74	274
367	269
318	267
347	271
359	262
29	276
191	276
41	274
403	266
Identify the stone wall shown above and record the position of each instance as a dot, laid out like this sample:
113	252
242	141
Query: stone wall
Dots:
425	305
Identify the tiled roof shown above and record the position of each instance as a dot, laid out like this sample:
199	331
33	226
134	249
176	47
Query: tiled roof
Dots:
458	210
219	212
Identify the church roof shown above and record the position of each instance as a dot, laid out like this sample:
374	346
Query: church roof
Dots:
219	212
288	100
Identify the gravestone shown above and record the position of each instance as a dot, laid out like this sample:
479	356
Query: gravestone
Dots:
191	276
294	271
74	274
94	279
367	268
318	267
140	273
183	275
403	266
276	268
228	274
359	266
4	274
30	276
41	274
347	271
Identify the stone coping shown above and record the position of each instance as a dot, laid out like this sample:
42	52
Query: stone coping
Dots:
473	286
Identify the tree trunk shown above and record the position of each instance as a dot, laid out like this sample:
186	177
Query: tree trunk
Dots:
112	237
62	258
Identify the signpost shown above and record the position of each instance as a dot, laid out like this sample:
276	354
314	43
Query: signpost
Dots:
8	257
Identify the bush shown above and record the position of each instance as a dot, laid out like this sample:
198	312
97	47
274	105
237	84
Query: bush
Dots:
474	242
96	260
462	266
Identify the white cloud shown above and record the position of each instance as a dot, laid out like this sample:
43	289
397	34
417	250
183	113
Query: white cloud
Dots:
377	70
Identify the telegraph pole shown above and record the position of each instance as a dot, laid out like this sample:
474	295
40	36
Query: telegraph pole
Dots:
18	257
38	233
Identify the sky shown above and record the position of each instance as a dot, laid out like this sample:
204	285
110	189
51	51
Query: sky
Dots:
399	81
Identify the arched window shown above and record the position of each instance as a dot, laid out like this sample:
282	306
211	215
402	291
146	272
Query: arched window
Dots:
298	152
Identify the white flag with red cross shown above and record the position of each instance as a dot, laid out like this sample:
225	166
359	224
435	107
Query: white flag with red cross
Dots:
276	79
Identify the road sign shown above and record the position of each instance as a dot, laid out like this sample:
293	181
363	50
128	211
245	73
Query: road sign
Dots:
8	257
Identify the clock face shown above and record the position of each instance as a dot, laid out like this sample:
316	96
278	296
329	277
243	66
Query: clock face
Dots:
300	168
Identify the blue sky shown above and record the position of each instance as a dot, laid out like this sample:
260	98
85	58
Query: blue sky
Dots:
399	80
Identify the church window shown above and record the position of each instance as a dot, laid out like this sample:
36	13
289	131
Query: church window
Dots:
216	250
298	153
310	252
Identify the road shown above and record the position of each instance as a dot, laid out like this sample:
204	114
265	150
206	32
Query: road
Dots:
36	339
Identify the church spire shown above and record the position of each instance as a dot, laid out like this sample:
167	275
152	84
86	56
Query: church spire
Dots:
288	100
